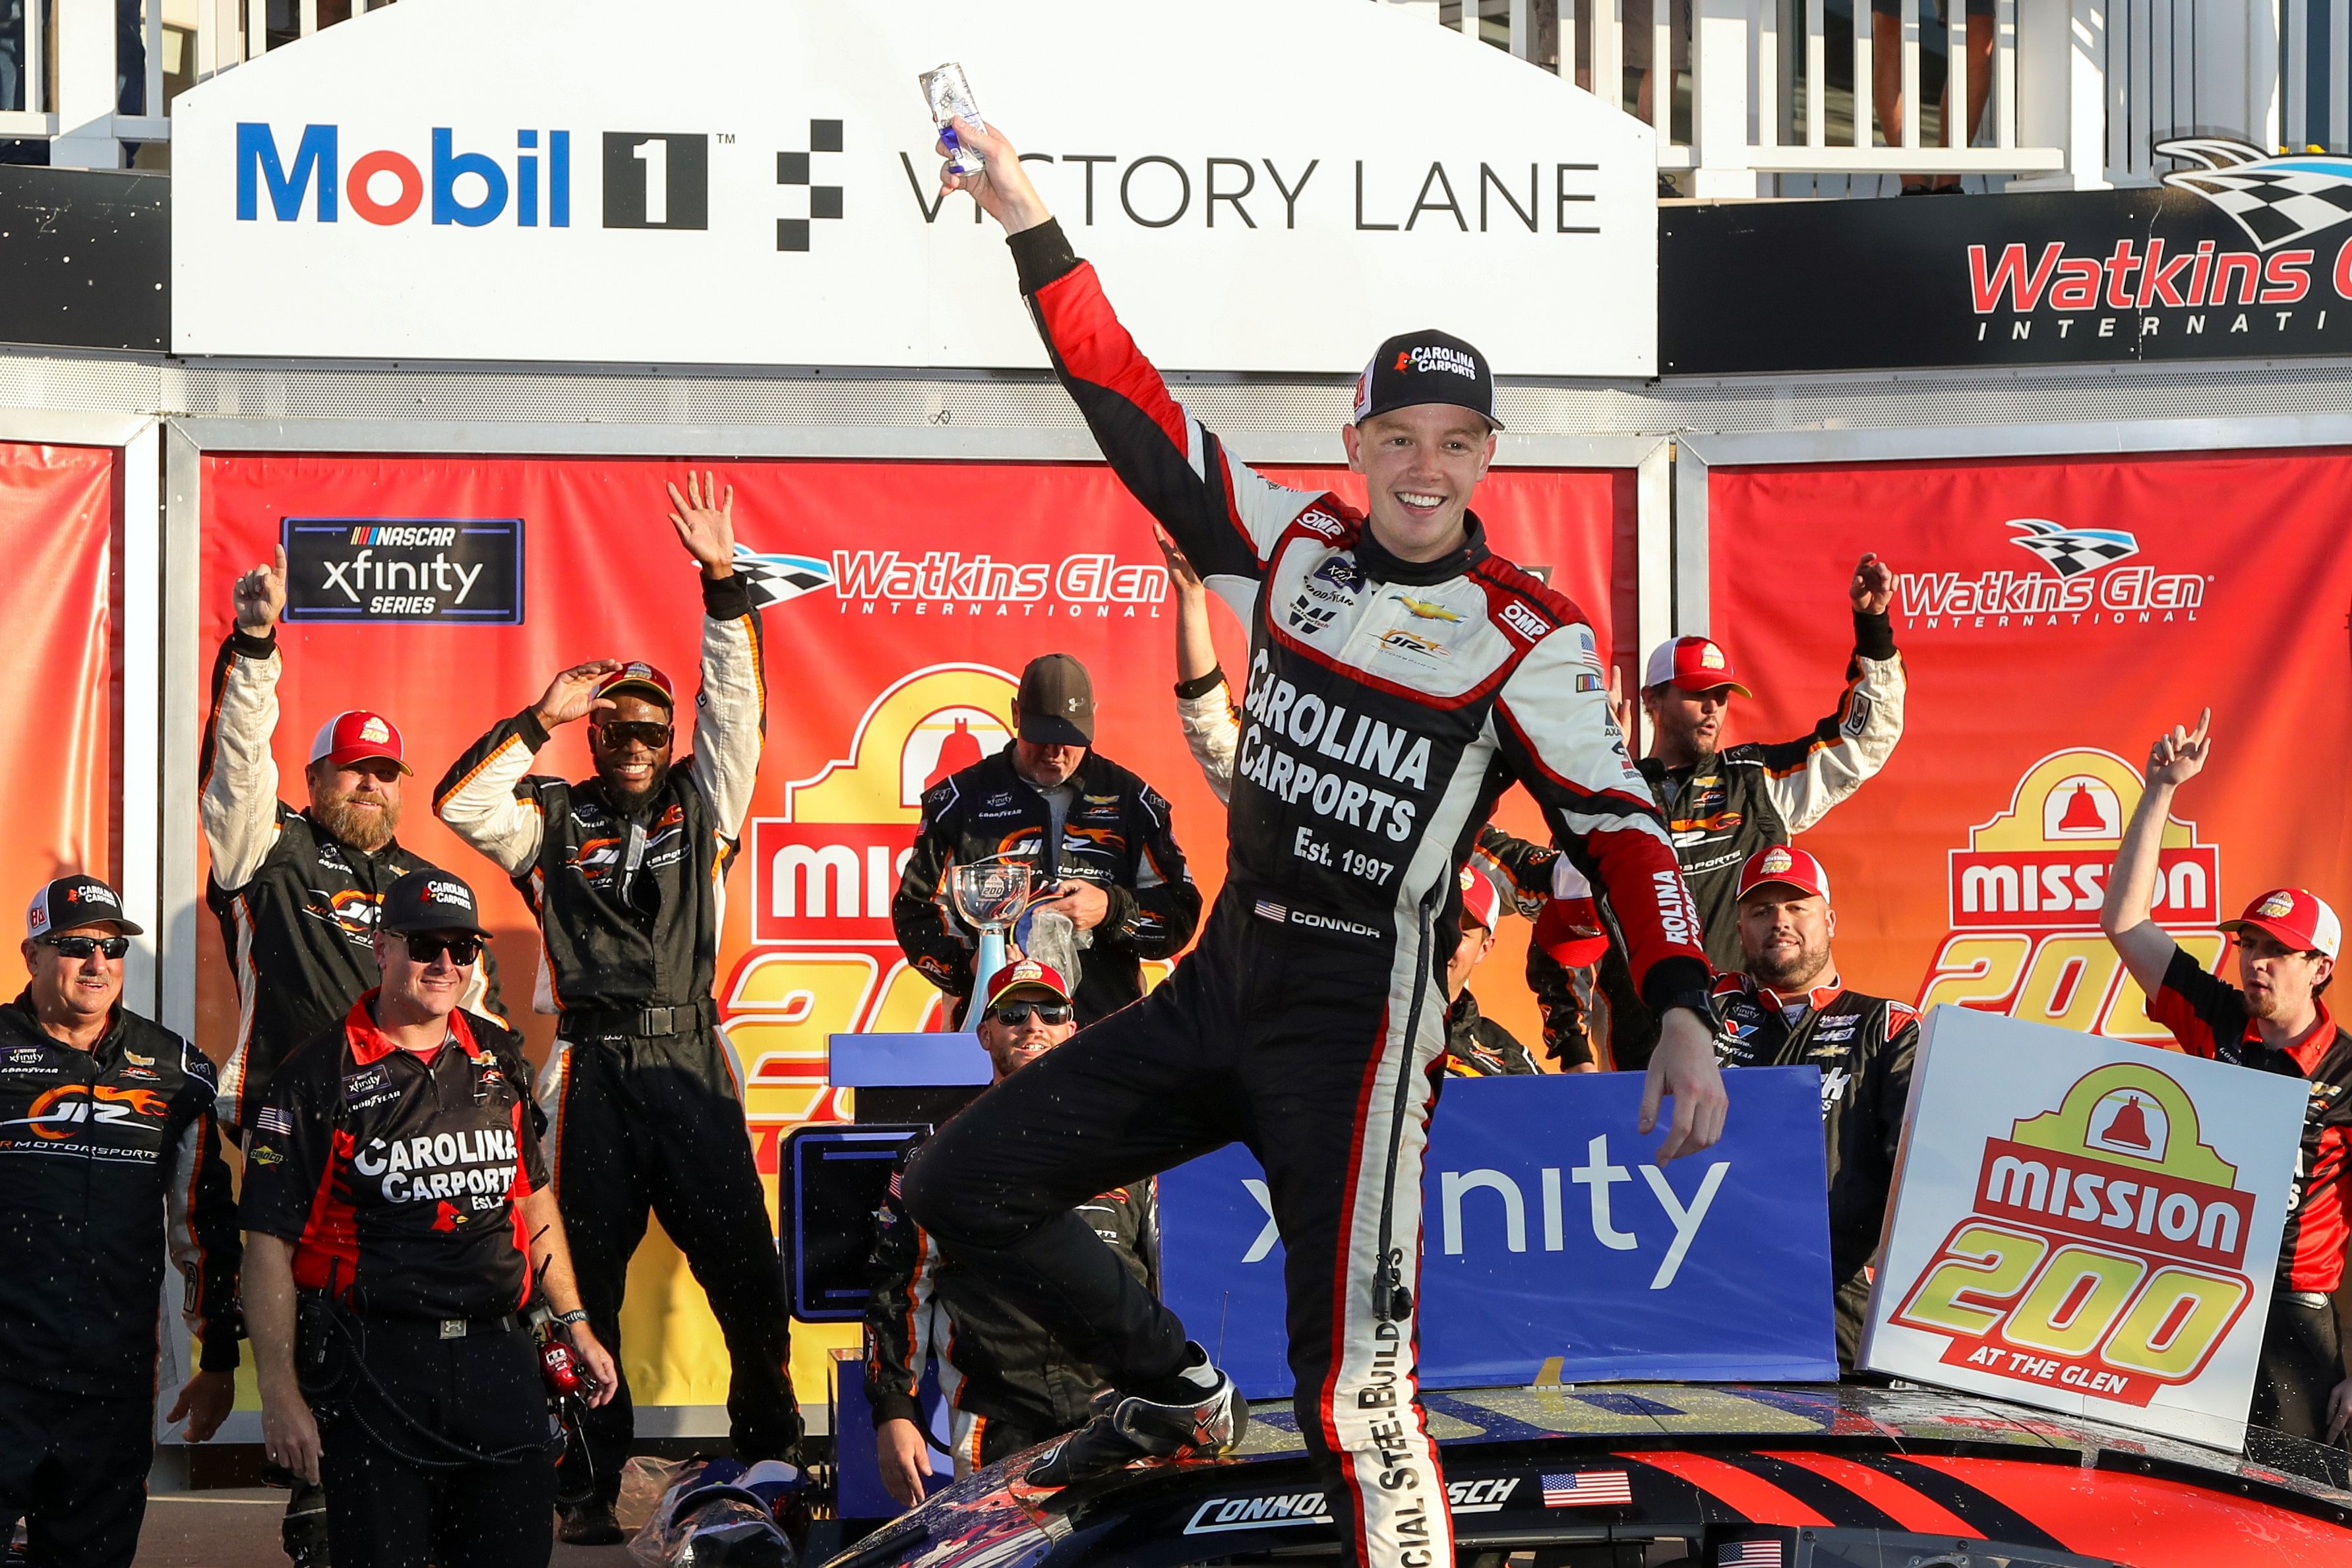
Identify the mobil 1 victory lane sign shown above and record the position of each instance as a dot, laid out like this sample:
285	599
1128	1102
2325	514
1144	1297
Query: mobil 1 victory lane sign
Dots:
2084	1224
1266	187
460	571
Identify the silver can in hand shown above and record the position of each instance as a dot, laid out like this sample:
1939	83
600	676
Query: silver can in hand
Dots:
950	95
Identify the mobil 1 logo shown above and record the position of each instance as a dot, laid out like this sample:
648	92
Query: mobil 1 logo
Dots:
456	570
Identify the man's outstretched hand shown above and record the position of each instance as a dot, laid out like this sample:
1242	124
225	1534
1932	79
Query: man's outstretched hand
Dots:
705	523
1683	1067
1001	188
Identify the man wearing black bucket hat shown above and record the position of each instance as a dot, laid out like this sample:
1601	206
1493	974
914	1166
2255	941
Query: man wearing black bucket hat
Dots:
1401	678
1099	838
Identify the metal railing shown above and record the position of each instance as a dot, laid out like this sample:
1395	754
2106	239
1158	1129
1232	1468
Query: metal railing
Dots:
1750	97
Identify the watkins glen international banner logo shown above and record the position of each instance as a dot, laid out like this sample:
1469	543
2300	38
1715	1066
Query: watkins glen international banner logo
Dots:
2093	1228
2078	579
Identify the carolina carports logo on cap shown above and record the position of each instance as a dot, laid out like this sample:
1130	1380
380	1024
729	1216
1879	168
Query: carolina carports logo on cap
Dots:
441	892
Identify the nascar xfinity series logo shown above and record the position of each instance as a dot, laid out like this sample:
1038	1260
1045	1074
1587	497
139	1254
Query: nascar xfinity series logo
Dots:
2079	579
2106	1252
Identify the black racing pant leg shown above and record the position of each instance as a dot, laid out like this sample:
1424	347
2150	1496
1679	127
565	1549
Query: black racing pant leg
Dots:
705	1190
994	1440
2302	1363
1146	1088
1327	1054
385	1510
601	1191
74	1468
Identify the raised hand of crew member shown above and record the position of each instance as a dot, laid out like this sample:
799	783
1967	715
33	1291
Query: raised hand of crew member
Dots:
2176	758
261	595
203	1403
572	694
1683	1067
1001	187
1621	707
1085	903
904	1459
595	1360
1873	588
1180	576
705	524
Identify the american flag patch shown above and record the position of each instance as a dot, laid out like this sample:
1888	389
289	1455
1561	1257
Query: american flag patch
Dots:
1267	910
1748	1554
894	1186
273	1119
1587	1489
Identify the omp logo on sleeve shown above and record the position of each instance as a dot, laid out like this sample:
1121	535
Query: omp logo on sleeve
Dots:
2106	1253
463	571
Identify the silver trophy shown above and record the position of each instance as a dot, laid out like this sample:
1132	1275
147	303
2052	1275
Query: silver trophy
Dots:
991	895
950	96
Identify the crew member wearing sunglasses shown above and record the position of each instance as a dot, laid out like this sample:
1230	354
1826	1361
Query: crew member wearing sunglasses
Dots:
398	1225
109	1155
626	872
1009	1384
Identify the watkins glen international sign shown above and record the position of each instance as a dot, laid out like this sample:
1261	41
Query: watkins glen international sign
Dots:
2086	1226
1266	187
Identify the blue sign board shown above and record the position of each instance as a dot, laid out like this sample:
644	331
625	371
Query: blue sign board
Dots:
1552	1249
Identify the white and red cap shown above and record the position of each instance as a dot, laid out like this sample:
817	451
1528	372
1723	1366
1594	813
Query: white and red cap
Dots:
2297	917
1695	664
1481	900
1784	864
641	678
356	735
76	900
1026	973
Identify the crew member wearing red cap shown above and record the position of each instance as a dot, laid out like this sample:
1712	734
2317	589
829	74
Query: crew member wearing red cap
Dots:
626	872
110	1164
1476	1046
296	892
1726	803
1787	1007
1102	841
1009	1384
1401	676
2272	1020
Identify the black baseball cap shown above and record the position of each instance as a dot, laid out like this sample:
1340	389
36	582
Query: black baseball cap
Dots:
1057	703
76	900
429	901
1427	366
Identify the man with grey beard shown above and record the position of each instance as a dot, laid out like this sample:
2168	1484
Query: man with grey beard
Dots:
296	892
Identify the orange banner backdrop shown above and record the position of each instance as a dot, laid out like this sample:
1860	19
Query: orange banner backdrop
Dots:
914	593
2054	615
58	739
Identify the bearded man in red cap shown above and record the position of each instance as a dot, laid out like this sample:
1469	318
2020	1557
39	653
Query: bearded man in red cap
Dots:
626	872
2272	1020
1787	1007
296	891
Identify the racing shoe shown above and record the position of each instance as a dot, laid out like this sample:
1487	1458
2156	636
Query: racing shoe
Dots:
1128	1426
587	1521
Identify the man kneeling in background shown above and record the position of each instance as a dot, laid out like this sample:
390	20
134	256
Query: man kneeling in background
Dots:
1010	1384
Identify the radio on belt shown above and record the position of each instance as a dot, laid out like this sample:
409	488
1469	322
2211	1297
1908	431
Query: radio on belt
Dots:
950	95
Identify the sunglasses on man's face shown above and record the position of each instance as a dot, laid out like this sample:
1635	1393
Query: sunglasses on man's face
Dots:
425	948
83	946
1012	1015
650	733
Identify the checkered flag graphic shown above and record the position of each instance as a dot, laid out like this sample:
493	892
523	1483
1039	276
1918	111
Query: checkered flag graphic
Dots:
792	169
772	579
2275	200
2072	552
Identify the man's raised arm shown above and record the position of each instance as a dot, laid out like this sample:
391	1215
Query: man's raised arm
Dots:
2127	916
238	800
1222	513
1818	769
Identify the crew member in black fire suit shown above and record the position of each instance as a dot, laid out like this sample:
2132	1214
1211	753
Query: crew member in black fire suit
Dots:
626	872
395	1189
1097	834
1401	677
296	892
110	1161
1726	803
1008	1383
1786	1007
1476	1045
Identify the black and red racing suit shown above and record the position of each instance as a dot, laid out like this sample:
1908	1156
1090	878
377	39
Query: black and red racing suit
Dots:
1388	704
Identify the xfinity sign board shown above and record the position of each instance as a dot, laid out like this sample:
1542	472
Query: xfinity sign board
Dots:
460	571
1265	187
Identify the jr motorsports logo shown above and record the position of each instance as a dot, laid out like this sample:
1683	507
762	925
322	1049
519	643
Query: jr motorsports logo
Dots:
2106	1251
2079	578
2024	898
463	571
